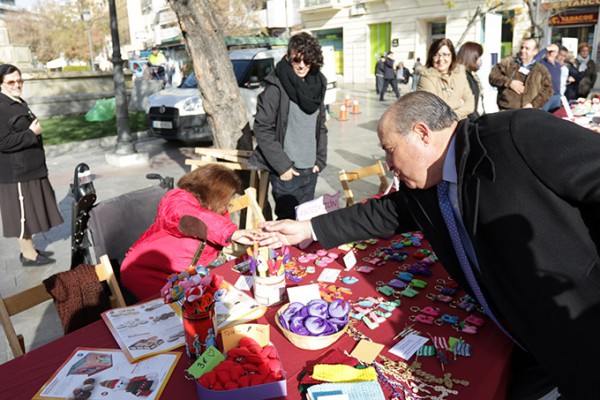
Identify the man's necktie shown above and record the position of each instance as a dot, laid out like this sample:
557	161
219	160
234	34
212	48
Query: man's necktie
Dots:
451	224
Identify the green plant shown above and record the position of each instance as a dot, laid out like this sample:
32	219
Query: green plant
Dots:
77	68
74	128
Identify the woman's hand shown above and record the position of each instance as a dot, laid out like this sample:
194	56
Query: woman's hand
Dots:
248	236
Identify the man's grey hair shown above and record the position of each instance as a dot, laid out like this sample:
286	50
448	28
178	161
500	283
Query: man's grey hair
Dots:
534	40
416	107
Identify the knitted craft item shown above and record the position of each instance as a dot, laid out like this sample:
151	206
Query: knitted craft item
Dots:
343	373
78	295
333	356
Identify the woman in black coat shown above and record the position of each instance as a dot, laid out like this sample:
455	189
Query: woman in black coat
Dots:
27	200
584	70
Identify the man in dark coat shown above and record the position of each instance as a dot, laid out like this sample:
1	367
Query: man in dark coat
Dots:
379	72
524	192
389	76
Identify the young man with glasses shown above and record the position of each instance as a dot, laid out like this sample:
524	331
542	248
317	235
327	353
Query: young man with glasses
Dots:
521	81
290	125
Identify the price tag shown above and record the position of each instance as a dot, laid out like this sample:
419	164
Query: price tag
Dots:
206	362
304	293
232	336
349	260
408	346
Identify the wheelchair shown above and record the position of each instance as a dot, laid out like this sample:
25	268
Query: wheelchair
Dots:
111	226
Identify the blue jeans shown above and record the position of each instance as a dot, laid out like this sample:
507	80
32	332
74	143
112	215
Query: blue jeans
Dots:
289	194
552	104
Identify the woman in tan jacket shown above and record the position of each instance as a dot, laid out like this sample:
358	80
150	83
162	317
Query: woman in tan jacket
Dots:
445	77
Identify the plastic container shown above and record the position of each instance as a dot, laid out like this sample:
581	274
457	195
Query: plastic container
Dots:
270	290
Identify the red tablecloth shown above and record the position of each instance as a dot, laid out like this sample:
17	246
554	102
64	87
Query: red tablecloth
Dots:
486	369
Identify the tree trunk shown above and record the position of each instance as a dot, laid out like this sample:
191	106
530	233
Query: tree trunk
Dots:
221	97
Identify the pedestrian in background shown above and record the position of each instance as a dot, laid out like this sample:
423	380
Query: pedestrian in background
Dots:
548	57
417	70
585	75
389	76
521	82
379	71
402	74
469	56
290	126
158	63
27	199
565	61
445	77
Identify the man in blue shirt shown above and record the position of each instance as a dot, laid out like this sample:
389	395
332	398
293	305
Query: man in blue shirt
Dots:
548	58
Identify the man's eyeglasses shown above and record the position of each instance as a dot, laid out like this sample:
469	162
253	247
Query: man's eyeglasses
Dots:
13	83
439	56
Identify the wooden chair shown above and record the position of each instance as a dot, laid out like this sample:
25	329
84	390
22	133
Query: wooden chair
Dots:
254	216
248	201
236	160
22	301
351	176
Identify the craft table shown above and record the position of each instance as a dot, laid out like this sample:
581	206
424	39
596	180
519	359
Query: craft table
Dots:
486	370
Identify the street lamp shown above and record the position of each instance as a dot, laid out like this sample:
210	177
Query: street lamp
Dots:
85	14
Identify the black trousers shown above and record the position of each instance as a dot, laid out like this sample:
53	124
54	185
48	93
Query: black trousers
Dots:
386	83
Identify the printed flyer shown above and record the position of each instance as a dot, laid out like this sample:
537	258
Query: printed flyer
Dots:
99	374
145	329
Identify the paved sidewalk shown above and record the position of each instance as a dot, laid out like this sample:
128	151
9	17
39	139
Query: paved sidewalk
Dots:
352	144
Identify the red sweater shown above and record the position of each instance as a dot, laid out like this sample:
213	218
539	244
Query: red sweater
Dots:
163	250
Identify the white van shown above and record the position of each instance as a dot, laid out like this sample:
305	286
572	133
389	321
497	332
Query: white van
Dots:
178	114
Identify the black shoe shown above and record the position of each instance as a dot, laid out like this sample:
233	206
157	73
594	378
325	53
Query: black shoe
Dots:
45	253
39	260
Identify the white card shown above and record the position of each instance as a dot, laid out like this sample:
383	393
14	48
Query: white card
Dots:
349	260
408	346
244	282
329	275
303	294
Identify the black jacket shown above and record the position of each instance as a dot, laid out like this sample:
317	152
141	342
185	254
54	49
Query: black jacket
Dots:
529	194
388	69
22	155
270	125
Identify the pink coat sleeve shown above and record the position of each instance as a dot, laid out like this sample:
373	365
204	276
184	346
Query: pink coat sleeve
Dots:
178	203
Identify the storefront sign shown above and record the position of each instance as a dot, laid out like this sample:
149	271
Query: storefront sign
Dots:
574	19
570	3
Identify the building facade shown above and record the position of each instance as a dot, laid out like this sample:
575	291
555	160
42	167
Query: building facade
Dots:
362	30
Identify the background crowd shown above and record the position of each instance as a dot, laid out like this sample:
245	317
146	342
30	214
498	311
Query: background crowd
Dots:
534	78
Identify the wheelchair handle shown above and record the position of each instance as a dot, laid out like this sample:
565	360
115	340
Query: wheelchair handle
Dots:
167	182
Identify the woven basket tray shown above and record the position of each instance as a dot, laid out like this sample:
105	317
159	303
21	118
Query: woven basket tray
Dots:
308	342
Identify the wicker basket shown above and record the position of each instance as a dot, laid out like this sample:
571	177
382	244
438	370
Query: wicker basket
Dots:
308	342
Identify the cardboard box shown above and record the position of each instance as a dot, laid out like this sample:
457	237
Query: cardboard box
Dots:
259	392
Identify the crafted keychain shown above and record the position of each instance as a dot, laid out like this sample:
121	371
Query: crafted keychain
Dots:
409	292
